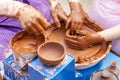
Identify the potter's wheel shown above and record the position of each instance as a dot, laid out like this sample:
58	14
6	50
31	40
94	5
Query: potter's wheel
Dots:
88	57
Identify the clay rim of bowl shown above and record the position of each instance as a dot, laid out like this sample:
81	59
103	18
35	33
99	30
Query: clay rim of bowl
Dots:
91	77
13	39
57	59
93	61
17	36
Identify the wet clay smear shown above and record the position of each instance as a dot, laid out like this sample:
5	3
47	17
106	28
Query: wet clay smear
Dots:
81	56
25	43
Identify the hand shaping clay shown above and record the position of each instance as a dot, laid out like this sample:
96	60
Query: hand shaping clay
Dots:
89	55
84	39
82	57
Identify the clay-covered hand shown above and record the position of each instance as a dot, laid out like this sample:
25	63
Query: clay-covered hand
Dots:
83	39
57	13
32	20
76	17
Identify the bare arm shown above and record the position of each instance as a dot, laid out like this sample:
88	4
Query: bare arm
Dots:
111	34
31	19
10	8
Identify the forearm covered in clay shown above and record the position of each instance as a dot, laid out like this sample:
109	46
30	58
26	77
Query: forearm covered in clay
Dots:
10	8
111	34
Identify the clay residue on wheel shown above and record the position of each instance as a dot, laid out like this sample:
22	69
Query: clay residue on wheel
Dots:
82	56
23	42
92	53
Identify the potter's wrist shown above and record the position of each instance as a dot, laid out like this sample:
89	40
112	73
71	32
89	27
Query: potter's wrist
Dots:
97	38
19	7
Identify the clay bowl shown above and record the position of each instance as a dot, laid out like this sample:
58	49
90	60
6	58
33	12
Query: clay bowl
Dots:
30	40
24	47
51	53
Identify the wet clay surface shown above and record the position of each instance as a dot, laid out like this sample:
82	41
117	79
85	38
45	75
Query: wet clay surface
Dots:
54	51
103	75
79	38
25	47
26	43
83	39
81	56
51	53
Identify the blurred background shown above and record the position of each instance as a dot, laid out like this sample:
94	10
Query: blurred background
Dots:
85	3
